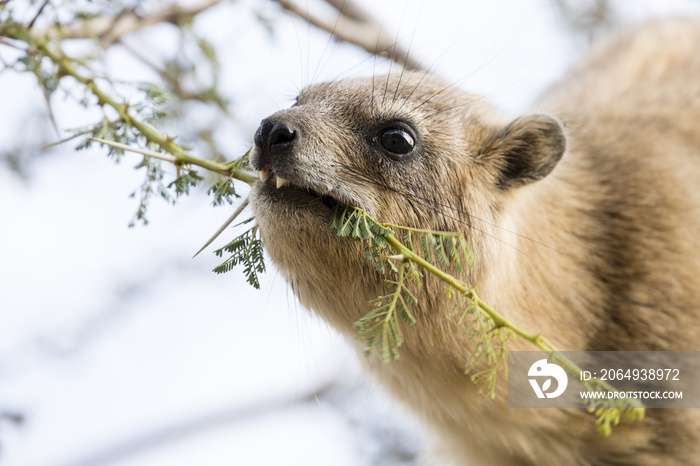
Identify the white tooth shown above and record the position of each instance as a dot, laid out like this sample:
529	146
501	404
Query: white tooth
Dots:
264	175
281	182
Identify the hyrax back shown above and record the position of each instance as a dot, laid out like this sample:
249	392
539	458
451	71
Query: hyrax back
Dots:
583	217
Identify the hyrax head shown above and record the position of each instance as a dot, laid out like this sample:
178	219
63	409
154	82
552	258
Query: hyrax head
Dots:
408	149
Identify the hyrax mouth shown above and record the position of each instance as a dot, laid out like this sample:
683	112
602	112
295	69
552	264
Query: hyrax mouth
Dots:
286	189
278	181
276	147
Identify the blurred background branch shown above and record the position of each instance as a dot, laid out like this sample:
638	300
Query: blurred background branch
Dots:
108	29
354	25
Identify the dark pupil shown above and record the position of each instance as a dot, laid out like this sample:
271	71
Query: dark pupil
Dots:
397	141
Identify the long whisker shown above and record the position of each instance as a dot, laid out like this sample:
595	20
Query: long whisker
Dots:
455	83
426	73
374	69
463	104
408	52
328	43
433	204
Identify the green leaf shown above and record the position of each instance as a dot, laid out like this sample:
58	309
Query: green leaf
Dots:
223	192
246	249
183	183
380	327
357	224
155	95
152	184
489	353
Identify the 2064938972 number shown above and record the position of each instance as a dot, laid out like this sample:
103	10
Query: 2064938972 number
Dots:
640	374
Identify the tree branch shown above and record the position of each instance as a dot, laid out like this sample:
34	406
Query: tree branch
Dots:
110	29
353	25
356	26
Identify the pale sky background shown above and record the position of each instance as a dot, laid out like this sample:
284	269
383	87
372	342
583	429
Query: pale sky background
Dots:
116	345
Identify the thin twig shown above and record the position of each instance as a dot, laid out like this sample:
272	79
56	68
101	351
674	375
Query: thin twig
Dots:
67	66
49	109
165	76
77	135
228	222
10	44
61	141
138	150
38	13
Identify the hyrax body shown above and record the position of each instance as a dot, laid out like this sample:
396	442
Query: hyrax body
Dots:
584	217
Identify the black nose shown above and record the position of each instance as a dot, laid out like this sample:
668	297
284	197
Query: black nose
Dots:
274	137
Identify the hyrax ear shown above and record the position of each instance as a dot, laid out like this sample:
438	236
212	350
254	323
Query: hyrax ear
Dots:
527	149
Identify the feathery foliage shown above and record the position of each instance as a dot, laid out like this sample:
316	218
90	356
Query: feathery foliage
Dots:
152	184
356	224
223	192
380	327
183	183
608	412
246	249
489	340
438	254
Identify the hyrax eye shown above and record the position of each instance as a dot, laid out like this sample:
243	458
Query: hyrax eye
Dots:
397	141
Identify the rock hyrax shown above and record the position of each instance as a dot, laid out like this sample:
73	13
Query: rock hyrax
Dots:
583	217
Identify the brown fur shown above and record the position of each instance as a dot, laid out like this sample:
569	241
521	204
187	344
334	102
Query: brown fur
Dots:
618	215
